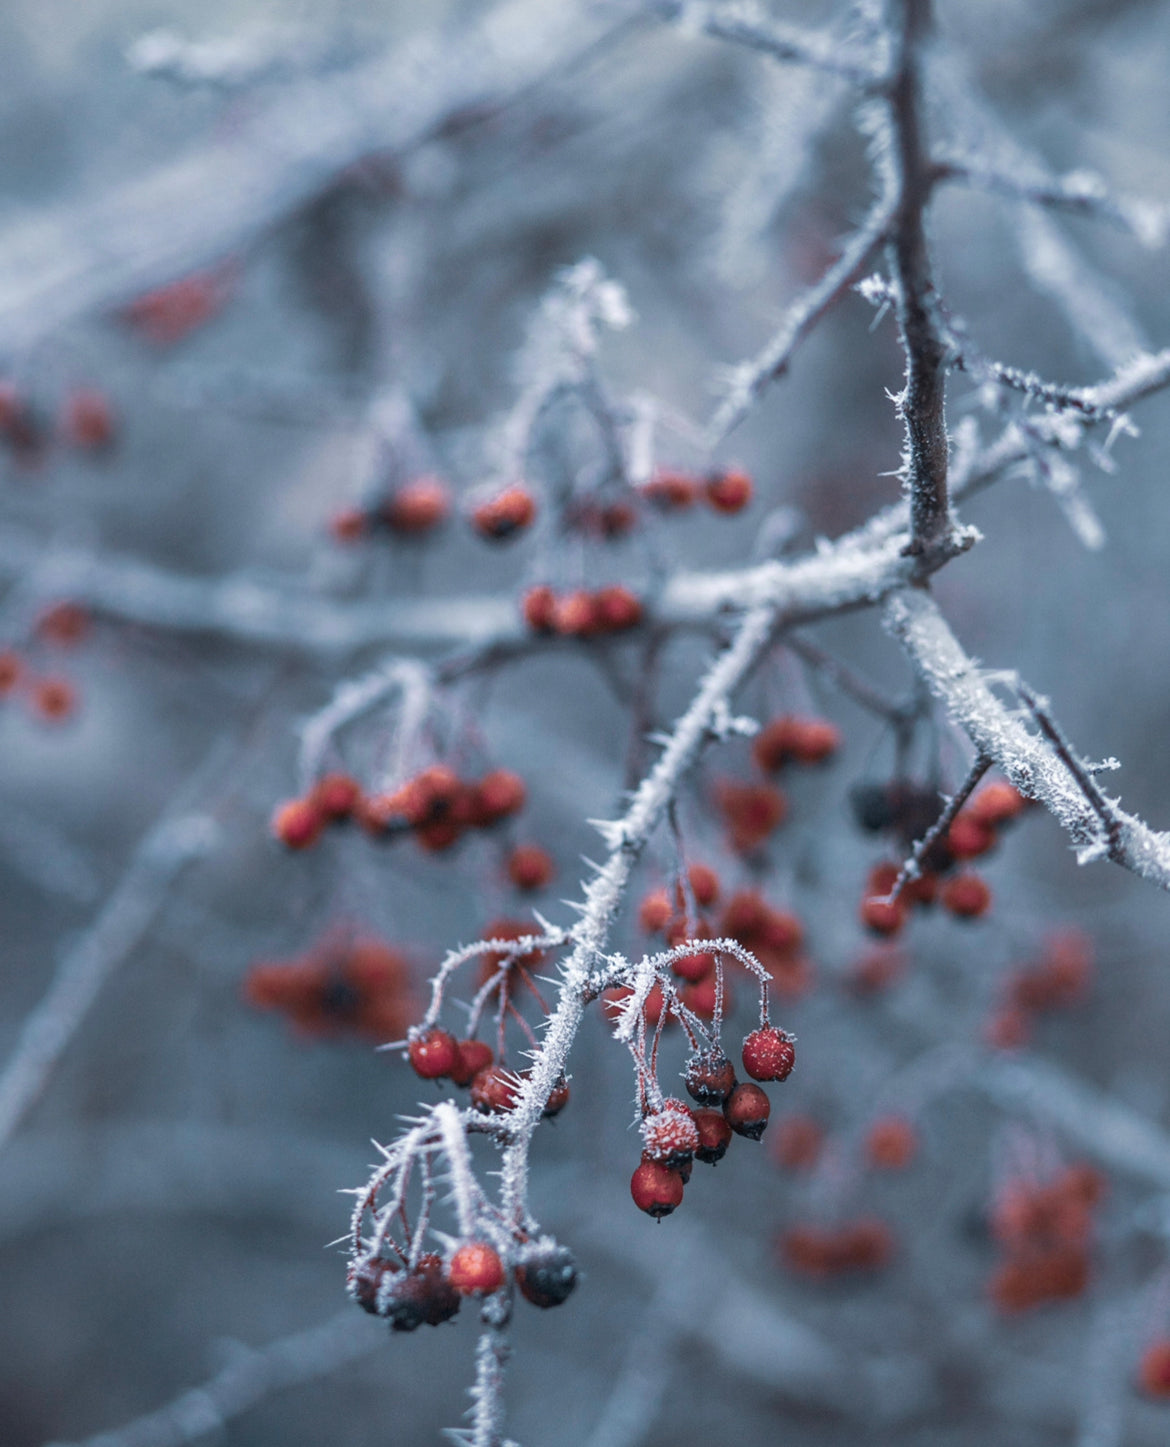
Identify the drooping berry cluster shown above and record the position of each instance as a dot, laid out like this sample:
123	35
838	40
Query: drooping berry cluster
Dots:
580	613
436	806
345	984
1059	978
1045	1231
414	509
726	490
823	1251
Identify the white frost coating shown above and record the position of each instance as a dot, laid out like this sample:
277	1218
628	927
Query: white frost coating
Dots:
1029	761
354	697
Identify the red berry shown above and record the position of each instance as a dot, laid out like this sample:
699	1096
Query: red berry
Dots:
693	967
11	668
1008	1029
616	608
530	867
558	1098
772	747
53	698
728	491
714	1136
891	1143
798	1142
417	507
701	995
575	614
656	1189
1154	1371
434	1054
704	884
966	896
472	1057
297	824
349	525
498	794
335	796
509	512
769	1054
996	803
670	1135
494	1090
881	917
64	624
814	740
654	912
746	1110
538	607
969	837
669	489
752	812
476	1269
709	1079
88	420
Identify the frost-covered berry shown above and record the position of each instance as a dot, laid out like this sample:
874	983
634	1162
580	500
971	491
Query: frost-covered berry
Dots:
669	1135
433	1054
709	1078
547	1275
769	1054
656	1189
475	1269
494	1090
746	1110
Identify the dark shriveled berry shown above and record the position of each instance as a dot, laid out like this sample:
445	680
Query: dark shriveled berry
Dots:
547	1277
709	1078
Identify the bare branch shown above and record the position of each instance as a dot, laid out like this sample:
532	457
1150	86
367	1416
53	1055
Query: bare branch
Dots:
1030	762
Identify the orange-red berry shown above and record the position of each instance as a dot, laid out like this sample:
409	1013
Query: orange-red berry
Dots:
349	525
891	1143
670	489
494	1090
472	1057
714	1136
616	608
1154	1370
335	796
530	867
966	896
417	507
504	515
728	491
538	607
297	824
475	1269
88	419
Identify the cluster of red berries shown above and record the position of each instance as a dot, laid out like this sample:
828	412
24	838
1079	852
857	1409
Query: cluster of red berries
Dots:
580	613
753	811
85	422
413	510
775	936
436	1054
674	1136
605	520
436	806
1059	978
169	313
965	895
903	808
864	1244
658	915
726	490
431	1291
791	739
361	986
51	697
1045	1232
